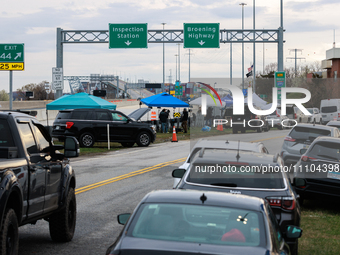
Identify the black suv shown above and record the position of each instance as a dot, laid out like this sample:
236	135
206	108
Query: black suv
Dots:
247	173
90	126
243	123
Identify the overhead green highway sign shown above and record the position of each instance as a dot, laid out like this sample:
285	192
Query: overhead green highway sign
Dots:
11	56
201	35
128	35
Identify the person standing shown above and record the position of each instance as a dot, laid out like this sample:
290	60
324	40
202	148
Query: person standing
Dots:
185	120
163	117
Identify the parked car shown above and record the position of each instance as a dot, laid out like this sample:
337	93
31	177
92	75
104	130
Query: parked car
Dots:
333	123
90	126
300	137
195	222
277	120
246	173
222	145
317	173
241	122
330	110
301	117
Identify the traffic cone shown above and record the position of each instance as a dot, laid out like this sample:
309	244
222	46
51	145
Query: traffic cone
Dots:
220	127
174	136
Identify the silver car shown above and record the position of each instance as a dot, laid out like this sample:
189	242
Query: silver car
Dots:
300	137
223	145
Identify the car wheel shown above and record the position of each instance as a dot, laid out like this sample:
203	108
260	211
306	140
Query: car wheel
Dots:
127	144
235	131
143	139
320	122
9	233
63	223
259	130
243	130
86	140
300	120
294	249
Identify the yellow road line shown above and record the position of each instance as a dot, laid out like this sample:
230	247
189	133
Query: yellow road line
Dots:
144	170
266	139
125	176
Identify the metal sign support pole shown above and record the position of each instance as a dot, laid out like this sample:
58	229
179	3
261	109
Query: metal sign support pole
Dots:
11	90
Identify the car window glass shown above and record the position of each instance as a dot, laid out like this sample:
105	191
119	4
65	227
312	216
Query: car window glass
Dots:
28	138
229	175
275	225
6	138
44	144
102	116
64	115
79	115
118	117
198	224
326	150
328	109
306	133
310	110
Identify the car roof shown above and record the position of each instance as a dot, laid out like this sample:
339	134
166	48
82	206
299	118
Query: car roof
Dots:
212	198
333	123
327	139
316	126
221	157
225	144
16	114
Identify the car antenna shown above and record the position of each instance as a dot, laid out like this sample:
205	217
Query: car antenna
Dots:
238	151
203	198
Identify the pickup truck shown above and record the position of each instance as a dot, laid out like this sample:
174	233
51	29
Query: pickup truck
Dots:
36	180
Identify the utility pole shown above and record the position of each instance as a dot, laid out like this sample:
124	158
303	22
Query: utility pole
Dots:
243	4
176	55
163	61
189	62
179	62
296	58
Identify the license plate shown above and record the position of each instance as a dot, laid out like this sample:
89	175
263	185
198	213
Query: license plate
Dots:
333	175
305	146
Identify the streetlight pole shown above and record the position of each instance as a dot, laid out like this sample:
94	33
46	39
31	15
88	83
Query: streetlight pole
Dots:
163	61
176	66
243	4
179	63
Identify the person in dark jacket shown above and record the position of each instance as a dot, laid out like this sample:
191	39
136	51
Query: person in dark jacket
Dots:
185	117
163	117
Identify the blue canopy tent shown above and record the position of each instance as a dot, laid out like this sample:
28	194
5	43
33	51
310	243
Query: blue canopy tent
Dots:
228	100
163	100
79	100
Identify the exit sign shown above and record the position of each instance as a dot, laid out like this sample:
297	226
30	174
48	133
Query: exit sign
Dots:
11	57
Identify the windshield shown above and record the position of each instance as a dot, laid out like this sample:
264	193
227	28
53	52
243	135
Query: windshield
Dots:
198	224
328	109
242	175
326	150
310	110
6	138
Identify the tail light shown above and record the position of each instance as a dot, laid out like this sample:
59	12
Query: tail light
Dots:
306	158
69	124
295	116
287	203
256	117
338	114
289	139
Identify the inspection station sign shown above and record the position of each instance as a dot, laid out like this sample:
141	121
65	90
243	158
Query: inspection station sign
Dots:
201	35
11	57
128	35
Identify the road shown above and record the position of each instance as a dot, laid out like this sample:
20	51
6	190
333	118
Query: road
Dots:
114	183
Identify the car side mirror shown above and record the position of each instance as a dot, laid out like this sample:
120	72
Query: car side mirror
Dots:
178	173
71	147
123	218
298	182
293	232
303	151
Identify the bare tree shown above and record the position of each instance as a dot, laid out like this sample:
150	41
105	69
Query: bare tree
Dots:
4	95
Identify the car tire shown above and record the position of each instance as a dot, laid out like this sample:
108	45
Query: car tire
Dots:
295	249
63	223
9	233
235	131
127	144
259	130
86	140
243	130
320	122
143	139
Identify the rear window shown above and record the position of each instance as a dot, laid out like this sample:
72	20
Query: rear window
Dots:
233	176
329	109
64	115
80	115
326	150
6	138
306	133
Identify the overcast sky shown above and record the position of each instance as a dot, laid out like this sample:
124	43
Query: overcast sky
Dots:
309	26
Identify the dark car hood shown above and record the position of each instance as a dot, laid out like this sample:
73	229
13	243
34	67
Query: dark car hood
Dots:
140	246
139	113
